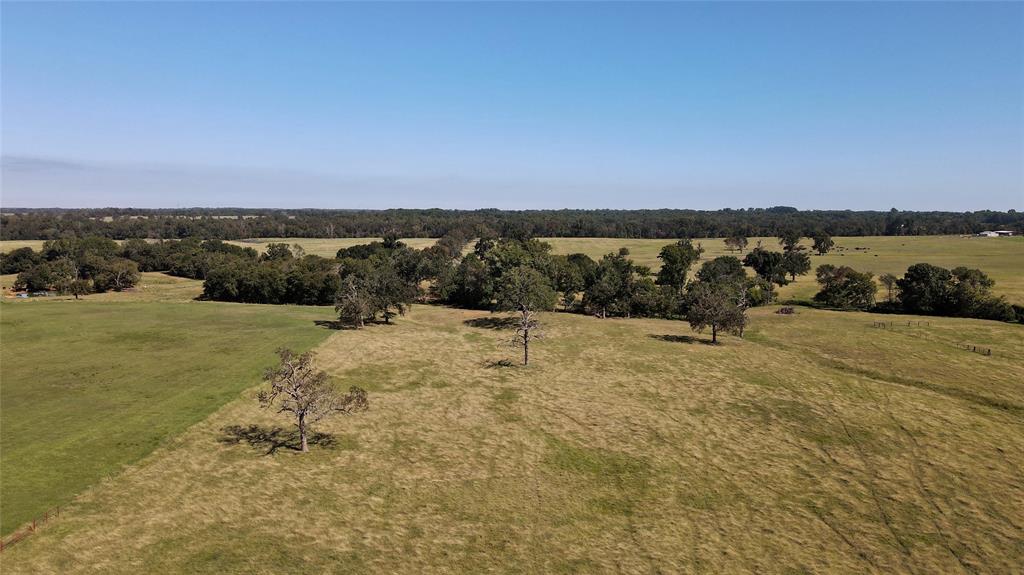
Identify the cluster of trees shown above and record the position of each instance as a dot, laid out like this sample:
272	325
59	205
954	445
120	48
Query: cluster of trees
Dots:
233	223
72	266
499	274
961	292
924	290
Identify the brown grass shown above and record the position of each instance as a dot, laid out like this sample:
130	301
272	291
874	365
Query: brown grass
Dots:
818	444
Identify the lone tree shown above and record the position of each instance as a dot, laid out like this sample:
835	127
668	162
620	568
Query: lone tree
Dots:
823	243
526	291
736	243
789	239
719	305
307	393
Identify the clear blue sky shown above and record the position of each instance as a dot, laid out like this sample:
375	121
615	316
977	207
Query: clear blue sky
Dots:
690	105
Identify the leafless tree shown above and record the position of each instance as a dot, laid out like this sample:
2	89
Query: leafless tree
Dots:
300	389
891	287
526	291
352	303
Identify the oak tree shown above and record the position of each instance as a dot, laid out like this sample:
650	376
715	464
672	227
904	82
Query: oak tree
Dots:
298	388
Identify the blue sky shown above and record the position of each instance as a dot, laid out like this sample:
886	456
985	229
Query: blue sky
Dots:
540	105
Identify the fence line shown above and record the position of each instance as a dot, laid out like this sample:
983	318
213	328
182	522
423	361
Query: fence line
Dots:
976	349
30	528
894	324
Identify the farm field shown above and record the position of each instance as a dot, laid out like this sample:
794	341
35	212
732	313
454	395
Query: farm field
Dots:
816	444
90	386
326	247
1001	258
152	287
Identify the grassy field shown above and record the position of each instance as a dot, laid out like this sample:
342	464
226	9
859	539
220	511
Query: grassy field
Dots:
326	247
11	245
818	444
90	386
152	287
1001	258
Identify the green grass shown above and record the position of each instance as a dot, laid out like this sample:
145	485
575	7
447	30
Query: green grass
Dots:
1001	258
816	444
93	385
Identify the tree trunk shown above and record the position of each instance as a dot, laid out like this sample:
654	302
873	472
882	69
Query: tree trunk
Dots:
714	333
302	434
526	347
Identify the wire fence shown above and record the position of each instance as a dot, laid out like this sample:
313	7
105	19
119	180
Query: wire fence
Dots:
50	514
895	324
976	349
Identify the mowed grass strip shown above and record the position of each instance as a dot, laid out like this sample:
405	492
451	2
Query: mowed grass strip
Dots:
626	446
89	386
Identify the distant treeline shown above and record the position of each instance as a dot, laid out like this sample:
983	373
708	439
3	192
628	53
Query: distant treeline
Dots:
238	223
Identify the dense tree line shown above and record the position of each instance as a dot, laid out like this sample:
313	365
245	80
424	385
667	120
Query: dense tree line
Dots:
237	223
72	266
923	290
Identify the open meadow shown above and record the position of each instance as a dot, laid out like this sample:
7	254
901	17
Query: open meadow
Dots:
816	444
90	386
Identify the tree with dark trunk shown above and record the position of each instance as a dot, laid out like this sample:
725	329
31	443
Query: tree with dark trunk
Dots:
720	305
305	392
823	243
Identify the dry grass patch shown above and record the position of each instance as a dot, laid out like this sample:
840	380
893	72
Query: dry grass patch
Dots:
614	452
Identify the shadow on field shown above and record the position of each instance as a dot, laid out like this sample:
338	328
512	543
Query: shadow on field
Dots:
272	439
333	324
492	322
682	339
329	324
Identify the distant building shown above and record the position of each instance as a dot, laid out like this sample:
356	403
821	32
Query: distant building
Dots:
1004	233
994	234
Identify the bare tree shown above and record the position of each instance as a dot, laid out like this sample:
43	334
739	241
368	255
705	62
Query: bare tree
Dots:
526	291
891	287
352	303
307	393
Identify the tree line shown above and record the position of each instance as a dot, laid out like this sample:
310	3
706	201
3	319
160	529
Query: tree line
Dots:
380	279
238	223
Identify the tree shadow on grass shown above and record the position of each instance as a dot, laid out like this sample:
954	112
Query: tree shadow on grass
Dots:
334	324
683	339
491	322
329	324
272	439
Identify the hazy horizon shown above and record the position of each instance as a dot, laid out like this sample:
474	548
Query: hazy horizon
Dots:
918	106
